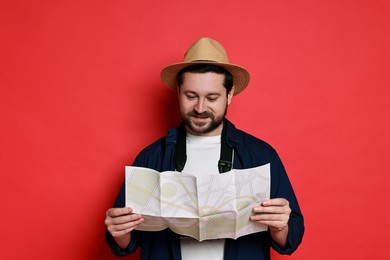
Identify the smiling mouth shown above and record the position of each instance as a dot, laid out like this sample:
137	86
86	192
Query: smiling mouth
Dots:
200	121
201	117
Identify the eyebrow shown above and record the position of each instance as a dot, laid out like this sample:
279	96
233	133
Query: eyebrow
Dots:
208	94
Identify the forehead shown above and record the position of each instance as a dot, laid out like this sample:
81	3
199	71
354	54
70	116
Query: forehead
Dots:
209	82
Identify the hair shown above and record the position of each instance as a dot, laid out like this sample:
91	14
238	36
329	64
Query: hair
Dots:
204	68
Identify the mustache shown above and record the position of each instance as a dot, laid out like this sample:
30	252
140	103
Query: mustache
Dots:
204	114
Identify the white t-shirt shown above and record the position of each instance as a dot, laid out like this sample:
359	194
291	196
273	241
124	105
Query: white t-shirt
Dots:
203	153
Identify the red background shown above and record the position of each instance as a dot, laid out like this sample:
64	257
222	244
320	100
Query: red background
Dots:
81	95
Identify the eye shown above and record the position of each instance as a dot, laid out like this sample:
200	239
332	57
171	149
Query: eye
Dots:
212	98
190	97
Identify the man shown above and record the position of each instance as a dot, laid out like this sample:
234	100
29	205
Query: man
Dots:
207	143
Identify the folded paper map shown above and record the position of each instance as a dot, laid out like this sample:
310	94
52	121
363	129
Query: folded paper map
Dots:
205	207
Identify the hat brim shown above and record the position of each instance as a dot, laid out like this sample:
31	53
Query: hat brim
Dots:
240	75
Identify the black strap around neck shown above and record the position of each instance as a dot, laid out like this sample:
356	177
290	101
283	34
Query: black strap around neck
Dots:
226	157
180	155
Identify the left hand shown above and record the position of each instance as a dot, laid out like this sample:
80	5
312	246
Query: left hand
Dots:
274	213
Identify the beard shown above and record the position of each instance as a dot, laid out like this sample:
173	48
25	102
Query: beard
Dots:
203	127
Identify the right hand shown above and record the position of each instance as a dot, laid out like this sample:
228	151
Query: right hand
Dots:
121	221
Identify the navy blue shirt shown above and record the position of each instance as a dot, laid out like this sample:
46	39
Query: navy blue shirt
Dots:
249	152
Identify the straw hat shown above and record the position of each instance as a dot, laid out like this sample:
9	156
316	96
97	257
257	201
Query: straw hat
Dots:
206	51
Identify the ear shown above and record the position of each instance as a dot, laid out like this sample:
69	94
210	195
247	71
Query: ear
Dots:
230	95
178	91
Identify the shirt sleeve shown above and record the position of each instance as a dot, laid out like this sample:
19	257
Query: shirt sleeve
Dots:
282	188
135	236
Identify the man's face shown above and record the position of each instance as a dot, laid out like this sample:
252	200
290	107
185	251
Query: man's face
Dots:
203	103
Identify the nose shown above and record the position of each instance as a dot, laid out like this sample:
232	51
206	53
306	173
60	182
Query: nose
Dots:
200	106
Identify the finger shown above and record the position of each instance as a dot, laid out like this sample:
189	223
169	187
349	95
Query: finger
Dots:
270	217
272	210
119	220
115	212
277	221
121	232
275	202
274	224
125	226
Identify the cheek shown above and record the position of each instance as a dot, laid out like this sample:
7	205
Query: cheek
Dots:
185	106
218	108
